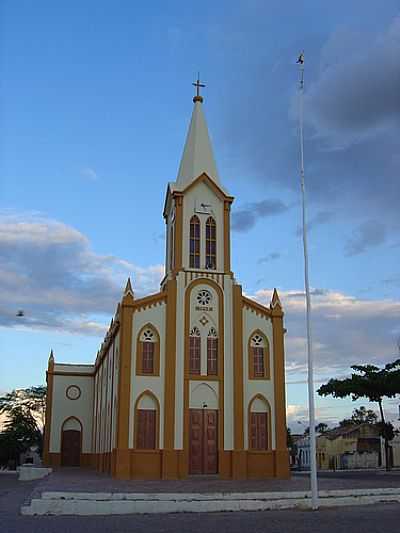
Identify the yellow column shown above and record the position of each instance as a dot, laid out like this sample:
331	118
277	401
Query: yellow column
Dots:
239	456
122	454
281	453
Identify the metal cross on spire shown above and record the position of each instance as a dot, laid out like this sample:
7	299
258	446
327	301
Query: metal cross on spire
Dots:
197	84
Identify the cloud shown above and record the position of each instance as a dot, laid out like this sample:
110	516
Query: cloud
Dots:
245	218
346	330
49	270
369	234
273	256
89	173
352	124
357	92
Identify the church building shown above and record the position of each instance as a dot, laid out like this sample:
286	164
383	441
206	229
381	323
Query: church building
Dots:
190	380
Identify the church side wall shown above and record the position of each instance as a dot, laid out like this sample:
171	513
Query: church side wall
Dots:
105	406
80	408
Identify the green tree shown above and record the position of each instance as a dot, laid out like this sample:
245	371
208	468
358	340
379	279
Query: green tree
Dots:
20	433
31	400
372	382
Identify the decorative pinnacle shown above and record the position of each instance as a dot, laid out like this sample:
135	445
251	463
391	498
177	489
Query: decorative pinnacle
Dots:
197	84
128	288
275	302
51	359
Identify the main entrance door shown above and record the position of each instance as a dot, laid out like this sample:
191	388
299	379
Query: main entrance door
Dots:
203	439
71	447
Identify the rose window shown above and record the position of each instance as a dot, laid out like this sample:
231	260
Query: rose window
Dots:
204	297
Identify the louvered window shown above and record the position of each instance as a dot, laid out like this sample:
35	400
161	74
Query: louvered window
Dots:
194	251
211	244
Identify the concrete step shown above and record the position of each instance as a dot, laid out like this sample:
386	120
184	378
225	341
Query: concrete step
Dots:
81	503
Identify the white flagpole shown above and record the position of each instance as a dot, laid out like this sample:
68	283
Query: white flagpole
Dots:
311	406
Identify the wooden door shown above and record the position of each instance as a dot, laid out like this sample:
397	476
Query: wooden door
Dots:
71	448
146	429
203	441
210	446
196	441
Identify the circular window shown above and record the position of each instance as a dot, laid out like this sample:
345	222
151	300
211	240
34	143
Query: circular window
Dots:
73	392
204	297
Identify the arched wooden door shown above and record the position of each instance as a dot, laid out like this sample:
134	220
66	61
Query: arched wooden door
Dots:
71	441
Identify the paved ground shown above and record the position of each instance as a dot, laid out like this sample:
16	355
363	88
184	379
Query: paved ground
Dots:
75	479
366	519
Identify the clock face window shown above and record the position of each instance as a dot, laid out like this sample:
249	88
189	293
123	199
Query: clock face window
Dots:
73	392
204	297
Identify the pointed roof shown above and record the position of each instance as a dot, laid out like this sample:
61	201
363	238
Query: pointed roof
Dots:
197	155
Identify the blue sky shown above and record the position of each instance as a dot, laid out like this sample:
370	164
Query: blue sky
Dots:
95	104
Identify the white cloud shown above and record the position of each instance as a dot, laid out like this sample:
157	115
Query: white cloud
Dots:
346	330
48	269
89	173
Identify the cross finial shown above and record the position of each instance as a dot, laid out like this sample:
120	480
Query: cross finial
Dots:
197	84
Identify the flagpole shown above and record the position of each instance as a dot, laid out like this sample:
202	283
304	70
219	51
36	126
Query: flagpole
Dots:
311	406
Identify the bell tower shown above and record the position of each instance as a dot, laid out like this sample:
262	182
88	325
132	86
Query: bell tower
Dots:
197	208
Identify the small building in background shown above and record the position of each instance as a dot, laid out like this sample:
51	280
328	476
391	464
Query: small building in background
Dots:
349	447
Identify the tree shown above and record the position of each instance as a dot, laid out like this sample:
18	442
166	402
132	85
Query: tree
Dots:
368	381
364	416
32	400
360	416
319	428
20	433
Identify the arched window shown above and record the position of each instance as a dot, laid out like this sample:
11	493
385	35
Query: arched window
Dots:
146	421
148	352
194	252
212	352
259	423
258	356
194	351
211	244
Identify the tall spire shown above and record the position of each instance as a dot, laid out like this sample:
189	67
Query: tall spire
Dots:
197	155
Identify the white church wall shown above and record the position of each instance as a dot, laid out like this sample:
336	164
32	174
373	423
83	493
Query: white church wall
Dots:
194	197
63	408
252	387
180	358
105	398
157	317
115	392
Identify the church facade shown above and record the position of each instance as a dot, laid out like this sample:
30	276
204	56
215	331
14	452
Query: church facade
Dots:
190	380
